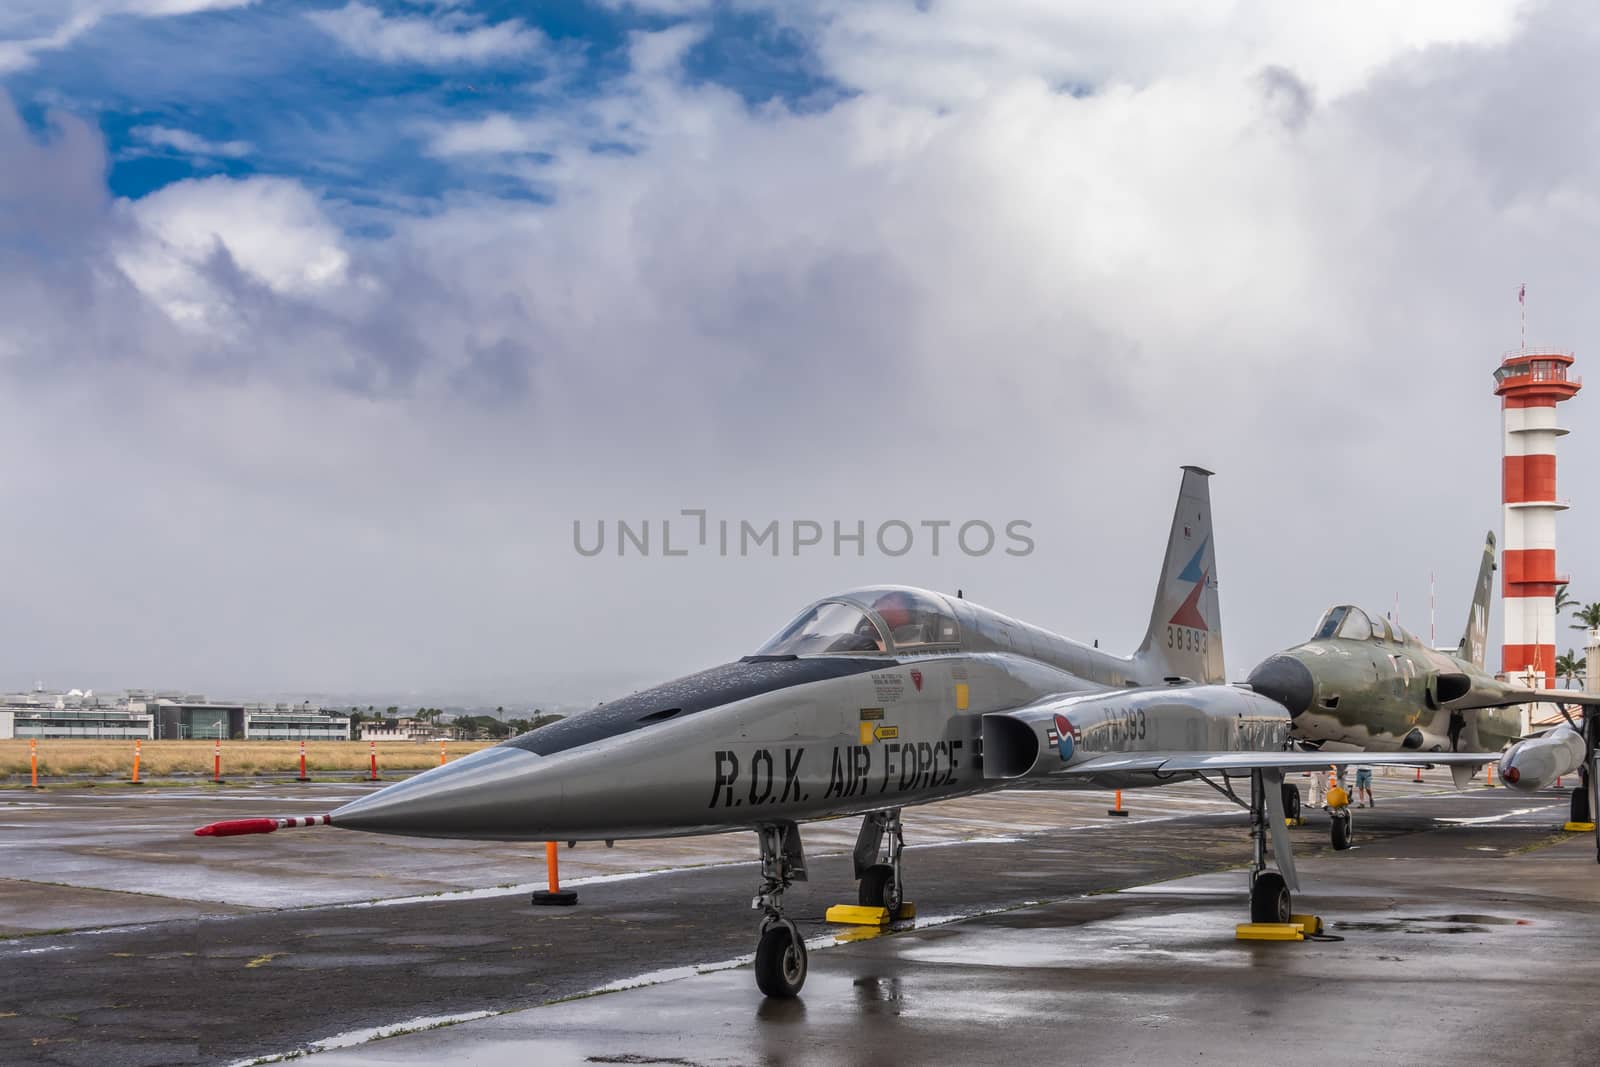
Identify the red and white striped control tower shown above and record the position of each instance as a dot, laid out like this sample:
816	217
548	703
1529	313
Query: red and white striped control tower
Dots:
1530	384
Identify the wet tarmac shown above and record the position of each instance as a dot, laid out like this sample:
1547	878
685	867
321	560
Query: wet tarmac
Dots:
1047	930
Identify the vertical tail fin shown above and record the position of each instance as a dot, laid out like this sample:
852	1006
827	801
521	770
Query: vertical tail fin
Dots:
1475	639
1185	634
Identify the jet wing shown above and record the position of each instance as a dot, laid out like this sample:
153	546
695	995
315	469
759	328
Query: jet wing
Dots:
1192	762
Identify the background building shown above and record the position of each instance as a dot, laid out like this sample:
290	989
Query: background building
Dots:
71	714
166	716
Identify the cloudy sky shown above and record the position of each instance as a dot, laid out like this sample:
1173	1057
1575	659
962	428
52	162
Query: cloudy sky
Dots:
321	323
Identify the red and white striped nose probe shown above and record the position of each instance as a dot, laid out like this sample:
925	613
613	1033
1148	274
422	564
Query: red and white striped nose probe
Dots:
235	827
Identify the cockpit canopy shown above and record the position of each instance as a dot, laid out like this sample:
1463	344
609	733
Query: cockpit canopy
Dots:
878	620
1353	624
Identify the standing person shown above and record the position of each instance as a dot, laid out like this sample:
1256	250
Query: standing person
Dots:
1364	787
1319	788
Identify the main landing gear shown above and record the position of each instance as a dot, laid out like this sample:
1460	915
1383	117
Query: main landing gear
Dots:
877	861
781	951
1270	900
1291	802
1270	797
1586	798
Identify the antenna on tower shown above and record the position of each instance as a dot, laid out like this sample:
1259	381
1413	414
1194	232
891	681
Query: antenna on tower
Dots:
1522	309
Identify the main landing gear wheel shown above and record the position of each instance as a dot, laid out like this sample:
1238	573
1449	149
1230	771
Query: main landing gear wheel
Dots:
880	889
1291	801
1580	804
877	861
1343	830
780	961
1269	898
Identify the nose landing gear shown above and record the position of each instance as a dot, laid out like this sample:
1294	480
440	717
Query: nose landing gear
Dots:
1343	829
781	951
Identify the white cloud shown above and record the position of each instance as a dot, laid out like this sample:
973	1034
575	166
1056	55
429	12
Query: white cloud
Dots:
661	7
957	50
271	230
28	27
498	133
447	36
191	143
958	291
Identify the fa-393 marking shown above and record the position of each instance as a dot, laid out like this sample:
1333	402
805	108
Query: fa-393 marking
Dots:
854	771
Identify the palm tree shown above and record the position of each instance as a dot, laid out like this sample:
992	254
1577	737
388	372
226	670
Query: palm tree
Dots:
1569	667
1563	598
1588	616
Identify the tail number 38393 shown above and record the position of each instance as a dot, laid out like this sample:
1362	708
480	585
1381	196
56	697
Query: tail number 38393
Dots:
1186	639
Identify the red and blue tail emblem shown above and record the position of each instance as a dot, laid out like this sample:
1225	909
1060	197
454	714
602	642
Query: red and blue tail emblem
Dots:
1188	613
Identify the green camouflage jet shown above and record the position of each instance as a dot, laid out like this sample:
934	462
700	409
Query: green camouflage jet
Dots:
1363	683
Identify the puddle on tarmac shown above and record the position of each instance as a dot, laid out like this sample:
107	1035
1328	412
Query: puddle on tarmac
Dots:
1433	924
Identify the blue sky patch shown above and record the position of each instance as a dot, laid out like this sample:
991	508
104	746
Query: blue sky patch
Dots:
265	89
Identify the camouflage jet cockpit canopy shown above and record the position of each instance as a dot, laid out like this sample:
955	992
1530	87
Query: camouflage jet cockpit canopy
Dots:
1353	624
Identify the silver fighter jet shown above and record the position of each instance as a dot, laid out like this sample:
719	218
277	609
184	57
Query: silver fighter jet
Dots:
868	702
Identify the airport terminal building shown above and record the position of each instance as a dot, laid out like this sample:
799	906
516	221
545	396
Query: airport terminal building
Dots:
167	716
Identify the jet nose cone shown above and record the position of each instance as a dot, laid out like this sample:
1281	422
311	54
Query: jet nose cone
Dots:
490	795
1286	680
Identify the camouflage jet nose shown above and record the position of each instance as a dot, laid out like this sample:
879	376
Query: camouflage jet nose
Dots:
1286	680
494	794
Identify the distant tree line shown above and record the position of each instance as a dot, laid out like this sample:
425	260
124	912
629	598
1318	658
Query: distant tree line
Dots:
472	727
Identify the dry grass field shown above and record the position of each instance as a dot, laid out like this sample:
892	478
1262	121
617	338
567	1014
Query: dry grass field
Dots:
114	759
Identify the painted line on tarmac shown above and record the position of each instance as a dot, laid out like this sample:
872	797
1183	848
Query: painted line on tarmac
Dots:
1485	819
351	1038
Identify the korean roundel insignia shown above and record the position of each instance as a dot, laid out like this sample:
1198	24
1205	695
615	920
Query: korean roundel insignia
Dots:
1063	733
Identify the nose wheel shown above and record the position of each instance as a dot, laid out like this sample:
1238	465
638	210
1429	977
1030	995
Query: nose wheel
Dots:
780	961
780	951
1343	830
